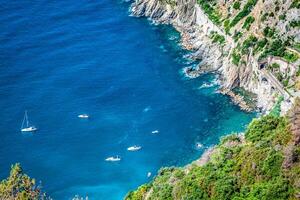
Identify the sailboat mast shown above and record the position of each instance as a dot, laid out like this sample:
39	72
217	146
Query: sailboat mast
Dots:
27	123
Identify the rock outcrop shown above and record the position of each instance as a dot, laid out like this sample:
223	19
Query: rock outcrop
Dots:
195	28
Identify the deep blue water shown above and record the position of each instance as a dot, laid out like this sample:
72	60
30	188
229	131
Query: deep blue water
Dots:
62	58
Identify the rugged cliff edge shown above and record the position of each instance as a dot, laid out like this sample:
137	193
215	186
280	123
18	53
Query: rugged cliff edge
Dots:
264	163
254	49
218	48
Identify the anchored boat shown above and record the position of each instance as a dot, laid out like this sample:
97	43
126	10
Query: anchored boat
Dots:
113	159
83	116
134	148
27	128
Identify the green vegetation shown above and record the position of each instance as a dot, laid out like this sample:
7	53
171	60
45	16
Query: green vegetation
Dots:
237	170
250	42
246	10
269	32
19	186
217	38
295	24
290	56
236	57
260	45
237	36
295	4
237	5
247	24
210	11
276	109
226	25
282	17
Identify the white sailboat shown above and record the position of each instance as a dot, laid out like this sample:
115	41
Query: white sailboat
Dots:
27	128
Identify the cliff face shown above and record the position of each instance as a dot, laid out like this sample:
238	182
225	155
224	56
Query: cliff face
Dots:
218	47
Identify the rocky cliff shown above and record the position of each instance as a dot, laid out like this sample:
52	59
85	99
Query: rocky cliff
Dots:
219	48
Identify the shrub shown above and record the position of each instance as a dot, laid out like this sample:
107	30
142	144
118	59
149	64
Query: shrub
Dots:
260	44
269	32
249	20
237	5
282	17
295	23
290	57
248	43
217	38
237	36
236	57
227	26
295	4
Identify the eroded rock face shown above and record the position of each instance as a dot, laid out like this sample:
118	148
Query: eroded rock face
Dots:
180	13
195	27
183	15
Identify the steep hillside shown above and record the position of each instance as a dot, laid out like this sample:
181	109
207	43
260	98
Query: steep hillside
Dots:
252	44
262	164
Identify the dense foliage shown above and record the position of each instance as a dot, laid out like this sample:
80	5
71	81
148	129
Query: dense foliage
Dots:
19	186
248	168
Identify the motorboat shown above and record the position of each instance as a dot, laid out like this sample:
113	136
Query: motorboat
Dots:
113	159
84	116
134	148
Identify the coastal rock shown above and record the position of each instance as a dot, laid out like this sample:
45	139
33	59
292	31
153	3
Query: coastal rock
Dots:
195	28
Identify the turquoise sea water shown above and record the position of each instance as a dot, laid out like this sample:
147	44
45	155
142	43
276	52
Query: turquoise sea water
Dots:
59	59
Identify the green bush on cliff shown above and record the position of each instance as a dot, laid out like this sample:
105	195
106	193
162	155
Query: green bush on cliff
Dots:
237	5
236	57
295	4
217	38
210	10
249	20
238	169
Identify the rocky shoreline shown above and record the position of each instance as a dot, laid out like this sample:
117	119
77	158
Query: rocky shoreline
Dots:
194	26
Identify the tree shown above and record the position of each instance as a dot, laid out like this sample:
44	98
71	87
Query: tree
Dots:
19	186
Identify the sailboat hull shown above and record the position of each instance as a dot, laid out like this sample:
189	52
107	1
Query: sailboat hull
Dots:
29	129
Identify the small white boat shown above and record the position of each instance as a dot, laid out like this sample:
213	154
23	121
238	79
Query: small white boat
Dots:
27	128
83	116
156	131
113	159
134	148
149	174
